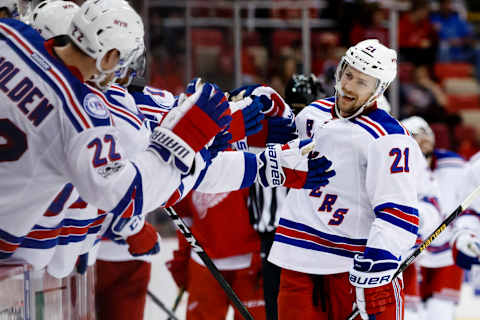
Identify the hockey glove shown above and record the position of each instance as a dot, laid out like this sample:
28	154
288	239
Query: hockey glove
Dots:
178	266
274	130
144	242
141	237
272	103
190	126
247	120
372	275
219	143
289	166
466	250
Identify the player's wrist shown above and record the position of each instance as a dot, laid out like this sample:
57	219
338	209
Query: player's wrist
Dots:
373	270
171	148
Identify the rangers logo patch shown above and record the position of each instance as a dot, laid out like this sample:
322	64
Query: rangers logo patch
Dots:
95	106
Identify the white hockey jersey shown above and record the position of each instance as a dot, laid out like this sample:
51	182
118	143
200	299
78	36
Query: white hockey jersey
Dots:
72	227
470	218
371	202
54	130
448	171
429	210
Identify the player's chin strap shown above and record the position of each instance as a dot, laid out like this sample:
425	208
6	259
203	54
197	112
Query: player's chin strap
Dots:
339	93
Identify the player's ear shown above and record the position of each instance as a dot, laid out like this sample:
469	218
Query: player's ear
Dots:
110	59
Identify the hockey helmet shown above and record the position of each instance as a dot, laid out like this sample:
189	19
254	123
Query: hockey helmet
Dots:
302	90
421	131
52	19
372	58
102	25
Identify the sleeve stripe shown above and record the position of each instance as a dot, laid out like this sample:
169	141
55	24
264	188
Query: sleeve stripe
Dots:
250	170
401	216
75	113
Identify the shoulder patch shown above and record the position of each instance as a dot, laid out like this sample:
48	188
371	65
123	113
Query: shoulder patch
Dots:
95	106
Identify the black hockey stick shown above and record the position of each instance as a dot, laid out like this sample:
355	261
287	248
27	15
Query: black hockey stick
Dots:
177	301
185	230
159	303
429	240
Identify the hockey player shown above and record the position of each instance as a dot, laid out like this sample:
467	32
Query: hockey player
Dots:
8	9
95	162
466	240
302	90
52	18
234	250
58	131
341	244
441	278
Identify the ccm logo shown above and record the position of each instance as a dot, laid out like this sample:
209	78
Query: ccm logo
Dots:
370	281
120	23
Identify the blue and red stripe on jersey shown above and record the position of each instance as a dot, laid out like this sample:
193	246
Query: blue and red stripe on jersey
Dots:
68	231
28	43
401	216
132	202
379	123
303	236
447	159
325	105
8	244
136	120
149	106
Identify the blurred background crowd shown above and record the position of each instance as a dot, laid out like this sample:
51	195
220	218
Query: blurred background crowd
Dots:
438	44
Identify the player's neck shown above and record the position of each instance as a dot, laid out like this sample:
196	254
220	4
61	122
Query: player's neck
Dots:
72	57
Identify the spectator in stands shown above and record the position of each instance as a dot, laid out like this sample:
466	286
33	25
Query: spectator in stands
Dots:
417	38
373	26
423	96
283	70
455	35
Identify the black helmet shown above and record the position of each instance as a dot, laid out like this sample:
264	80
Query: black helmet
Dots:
302	90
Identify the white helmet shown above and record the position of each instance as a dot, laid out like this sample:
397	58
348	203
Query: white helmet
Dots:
372	58
136	68
418	126
11	6
102	25
52	18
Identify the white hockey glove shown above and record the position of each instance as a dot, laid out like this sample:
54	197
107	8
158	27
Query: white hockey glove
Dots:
288	165
466	249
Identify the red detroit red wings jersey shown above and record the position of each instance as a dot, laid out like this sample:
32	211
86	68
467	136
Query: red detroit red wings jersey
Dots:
221	222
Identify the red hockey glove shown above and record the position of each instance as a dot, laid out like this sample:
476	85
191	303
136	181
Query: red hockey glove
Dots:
186	129
246	120
141	237
144	242
178	266
372	275
373	301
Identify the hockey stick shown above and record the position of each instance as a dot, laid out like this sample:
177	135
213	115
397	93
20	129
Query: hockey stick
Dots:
159	303
429	240
185	230
177	301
